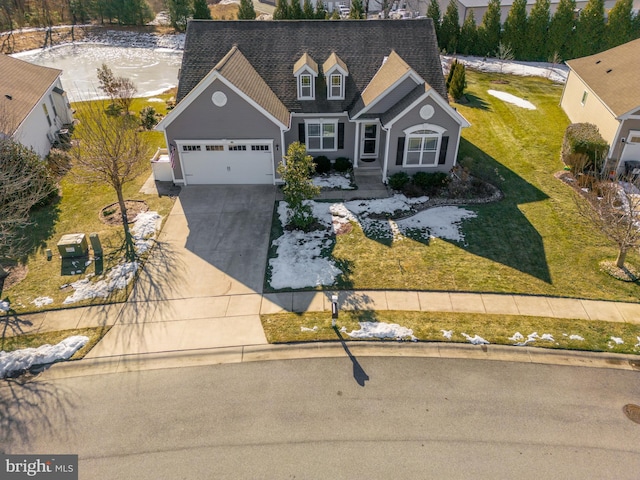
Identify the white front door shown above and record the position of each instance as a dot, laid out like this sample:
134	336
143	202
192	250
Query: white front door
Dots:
369	140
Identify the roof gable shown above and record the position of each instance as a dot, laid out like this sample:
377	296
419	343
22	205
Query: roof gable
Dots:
22	85
305	62
335	63
613	75
273	48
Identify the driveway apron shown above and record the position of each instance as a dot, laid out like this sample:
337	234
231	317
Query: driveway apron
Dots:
210	258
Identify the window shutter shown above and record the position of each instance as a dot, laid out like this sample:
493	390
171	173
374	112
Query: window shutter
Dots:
301	133
400	151
443	151
341	135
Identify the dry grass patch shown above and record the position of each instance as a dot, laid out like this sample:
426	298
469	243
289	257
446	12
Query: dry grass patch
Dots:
10	344
429	326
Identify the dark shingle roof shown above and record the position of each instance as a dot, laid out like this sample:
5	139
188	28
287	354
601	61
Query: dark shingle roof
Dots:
273	47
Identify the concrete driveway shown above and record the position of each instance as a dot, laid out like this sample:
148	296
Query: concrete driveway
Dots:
202	286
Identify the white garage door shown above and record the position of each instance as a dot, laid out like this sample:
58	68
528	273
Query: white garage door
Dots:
231	162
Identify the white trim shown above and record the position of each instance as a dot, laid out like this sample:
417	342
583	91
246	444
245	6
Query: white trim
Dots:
361	139
330	86
321	122
356	151
195	93
616	139
173	173
629	115
311	86
225	142
410	132
410	74
424	126
435	96
321	114
385	167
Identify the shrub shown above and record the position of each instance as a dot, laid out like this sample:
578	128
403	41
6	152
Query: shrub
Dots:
428	181
58	163
148	118
398	180
584	139
322	163
343	164
412	190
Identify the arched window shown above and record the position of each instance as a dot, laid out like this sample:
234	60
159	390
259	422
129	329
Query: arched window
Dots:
422	145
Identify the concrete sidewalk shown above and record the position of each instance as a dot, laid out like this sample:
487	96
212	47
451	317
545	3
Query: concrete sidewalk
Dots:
233	320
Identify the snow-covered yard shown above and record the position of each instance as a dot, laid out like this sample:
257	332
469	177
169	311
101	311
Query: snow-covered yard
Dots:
334	181
303	259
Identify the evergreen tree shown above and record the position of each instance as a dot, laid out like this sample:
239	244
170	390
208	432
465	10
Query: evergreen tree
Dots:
357	10
307	10
538	30
179	13
335	15
246	10
434	13
619	28
489	32
458	82
295	10
201	10
590	29
468	44
562	30
515	28
450	29
282	10
320	13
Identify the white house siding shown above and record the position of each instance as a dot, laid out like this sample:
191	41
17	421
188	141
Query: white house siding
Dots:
35	132
237	119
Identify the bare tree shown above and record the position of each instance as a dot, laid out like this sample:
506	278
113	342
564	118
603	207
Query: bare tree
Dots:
110	150
614	209
120	90
504	54
24	182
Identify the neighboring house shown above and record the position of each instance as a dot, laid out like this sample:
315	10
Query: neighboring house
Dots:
33	105
604	89
372	91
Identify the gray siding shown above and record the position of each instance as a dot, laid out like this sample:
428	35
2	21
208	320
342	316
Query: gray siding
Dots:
238	119
349	136
398	93
412	118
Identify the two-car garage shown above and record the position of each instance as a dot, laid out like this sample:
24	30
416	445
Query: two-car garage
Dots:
226	162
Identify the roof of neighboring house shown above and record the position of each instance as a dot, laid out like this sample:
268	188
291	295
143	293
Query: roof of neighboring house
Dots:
235	68
22	85
613	75
274	48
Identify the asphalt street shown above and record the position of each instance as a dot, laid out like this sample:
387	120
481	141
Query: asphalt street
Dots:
333	418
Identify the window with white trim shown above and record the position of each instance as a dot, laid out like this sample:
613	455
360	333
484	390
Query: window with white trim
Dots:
422	146
336	86
585	94
322	135
305	87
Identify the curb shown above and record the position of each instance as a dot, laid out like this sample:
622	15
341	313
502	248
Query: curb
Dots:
300	351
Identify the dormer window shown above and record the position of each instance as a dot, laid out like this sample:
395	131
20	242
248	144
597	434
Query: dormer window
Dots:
306	71
336	88
335	72
305	87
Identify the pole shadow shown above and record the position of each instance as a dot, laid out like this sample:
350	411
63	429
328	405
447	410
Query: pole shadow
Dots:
359	375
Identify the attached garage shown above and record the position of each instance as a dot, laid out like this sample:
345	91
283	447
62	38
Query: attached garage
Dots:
227	162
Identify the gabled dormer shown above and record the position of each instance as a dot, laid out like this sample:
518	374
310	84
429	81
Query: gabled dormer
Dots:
336	73
306	71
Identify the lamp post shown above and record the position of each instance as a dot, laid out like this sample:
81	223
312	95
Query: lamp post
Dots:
334	309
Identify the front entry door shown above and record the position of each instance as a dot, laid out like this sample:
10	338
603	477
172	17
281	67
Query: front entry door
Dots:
369	143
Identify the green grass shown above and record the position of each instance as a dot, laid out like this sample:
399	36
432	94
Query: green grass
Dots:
77	211
532	242
9	344
428	326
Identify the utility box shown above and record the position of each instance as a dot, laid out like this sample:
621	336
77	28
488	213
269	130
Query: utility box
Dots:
95	244
73	245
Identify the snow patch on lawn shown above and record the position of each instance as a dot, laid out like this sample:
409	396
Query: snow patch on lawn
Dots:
42	301
4	306
336	181
382	330
301	256
19	360
476	340
307	329
507	97
617	340
576	337
554	72
447	334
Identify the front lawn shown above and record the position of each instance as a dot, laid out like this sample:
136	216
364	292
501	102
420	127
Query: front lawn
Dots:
532	242
77	211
